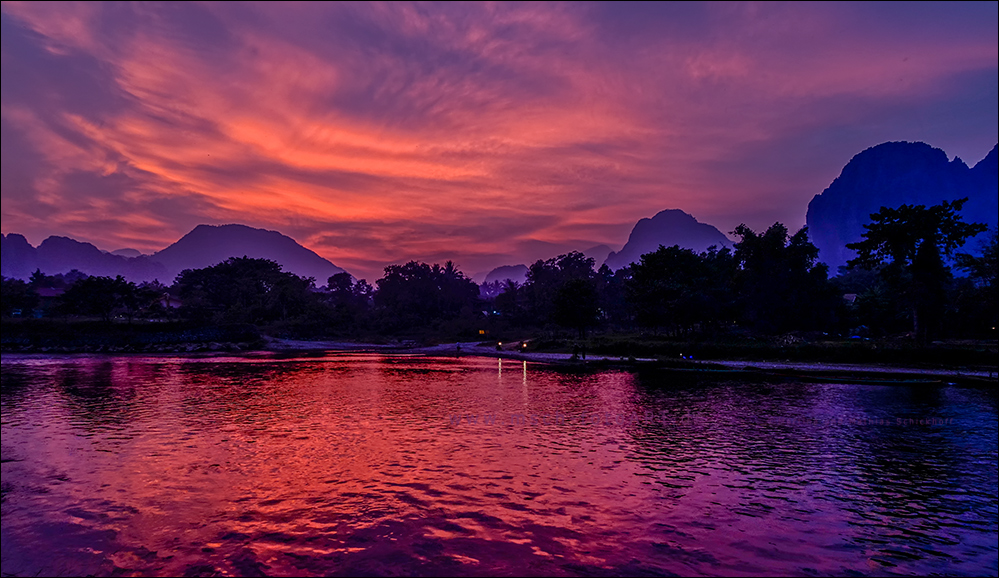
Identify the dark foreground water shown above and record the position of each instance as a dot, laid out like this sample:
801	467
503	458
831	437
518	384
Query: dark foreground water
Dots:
378	465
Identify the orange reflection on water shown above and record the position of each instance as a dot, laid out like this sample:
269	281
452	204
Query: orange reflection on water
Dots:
363	464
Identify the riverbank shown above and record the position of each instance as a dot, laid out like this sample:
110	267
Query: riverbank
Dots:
788	369
61	337
243	340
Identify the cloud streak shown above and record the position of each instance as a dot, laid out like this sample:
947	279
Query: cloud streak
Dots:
375	133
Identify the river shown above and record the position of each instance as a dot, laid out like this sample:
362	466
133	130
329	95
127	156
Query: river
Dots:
386	465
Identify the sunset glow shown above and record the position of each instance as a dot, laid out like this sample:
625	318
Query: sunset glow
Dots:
489	134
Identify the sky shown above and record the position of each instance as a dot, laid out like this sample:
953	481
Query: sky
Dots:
488	134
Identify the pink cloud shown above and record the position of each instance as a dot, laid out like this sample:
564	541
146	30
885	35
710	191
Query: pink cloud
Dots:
379	133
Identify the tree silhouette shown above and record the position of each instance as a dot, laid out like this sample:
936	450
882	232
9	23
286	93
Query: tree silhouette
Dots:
782	287
983	273
611	291
676	288
103	296
17	294
576	305
349	301
243	290
545	280
510	302
910	244
416	293
984	269
665	289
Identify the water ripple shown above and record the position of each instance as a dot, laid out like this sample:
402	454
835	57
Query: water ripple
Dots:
364	464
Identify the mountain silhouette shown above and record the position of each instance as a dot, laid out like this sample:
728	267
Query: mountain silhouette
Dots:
892	174
207	245
667	228
18	259
598	253
516	273
204	246
61	255
126	252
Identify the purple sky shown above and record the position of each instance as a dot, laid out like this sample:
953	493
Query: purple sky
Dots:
488	134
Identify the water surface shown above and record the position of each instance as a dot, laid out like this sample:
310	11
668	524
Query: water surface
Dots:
367	464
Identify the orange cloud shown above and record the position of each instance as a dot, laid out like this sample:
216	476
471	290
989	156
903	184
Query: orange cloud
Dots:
489	133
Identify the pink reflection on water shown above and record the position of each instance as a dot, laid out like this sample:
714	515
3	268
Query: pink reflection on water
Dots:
353	464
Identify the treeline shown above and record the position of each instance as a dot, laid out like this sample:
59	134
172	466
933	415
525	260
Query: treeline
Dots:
770	284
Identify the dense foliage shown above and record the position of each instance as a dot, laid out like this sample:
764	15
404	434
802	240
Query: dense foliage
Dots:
908	245
770	284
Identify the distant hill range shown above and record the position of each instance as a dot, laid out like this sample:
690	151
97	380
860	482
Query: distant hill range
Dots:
598	254
894	174
890	174
204	246
518	273
502	274
667	228
207	245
